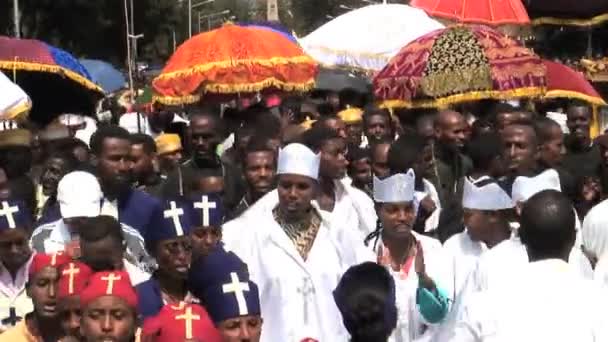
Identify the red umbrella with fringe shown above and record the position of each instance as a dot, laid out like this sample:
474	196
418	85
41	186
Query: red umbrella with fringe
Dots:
234	60
565	82
458	64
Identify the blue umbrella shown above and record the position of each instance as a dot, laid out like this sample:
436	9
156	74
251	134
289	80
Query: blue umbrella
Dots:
105	75
272	26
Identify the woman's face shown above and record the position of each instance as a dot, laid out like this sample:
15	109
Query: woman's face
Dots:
174	256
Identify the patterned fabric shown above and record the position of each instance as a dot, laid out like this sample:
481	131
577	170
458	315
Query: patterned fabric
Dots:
460	63
457	63
384	258
301	233
234	59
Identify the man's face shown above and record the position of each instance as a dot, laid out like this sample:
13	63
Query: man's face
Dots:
354	133
520	151
377	128
453	132
174	257
397	219
604	154
14	248
246	328
204	137
552	151
103	255
42	289
210	184
108	318
169	161
5	190
260	171
579	120
503	120
53	170
333	159
295	194
70	314
114	163
205	239
424	128
380	160
476	222
142	162
361	171
337	126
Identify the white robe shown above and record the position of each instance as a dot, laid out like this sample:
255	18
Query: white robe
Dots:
546	301
411	326
432	222
290	312
497	266
462	254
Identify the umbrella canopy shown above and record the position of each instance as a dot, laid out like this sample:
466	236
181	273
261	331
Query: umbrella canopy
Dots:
458	64
55	80
233	60
337	80
271	25
568	12
488	12
367	38
105	75
14	102
565	82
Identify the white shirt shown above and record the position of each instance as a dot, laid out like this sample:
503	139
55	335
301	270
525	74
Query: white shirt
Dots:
411	325
497	266
462	254
296	294
545	301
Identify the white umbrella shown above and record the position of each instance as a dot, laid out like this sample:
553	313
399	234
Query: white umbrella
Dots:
14	102
367	38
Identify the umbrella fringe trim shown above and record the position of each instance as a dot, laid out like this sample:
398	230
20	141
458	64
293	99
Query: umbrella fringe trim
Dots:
18	112
571	22
55	69
469	96
233	89
270	62
552	94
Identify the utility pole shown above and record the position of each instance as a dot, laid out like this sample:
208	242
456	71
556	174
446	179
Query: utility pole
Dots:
272	8
189	18
16	18
133	31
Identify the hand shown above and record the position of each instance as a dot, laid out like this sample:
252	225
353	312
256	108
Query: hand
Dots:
420	267
428	206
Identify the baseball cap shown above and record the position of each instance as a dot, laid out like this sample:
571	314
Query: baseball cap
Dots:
79	195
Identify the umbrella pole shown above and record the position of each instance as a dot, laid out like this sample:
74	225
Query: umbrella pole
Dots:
16	18
129	62
589	42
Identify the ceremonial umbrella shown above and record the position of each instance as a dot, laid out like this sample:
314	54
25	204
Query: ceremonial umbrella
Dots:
234	60
105	75
565	82
271	25
368	37
14	102
568	12
488	12
55	80
457	64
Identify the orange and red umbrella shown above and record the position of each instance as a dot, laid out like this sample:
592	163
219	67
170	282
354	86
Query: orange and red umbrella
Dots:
457	64
565	82
234	60
488	12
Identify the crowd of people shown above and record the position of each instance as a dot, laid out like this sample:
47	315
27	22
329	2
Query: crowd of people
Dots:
300	219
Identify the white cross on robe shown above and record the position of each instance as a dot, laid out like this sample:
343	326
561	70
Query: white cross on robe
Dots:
205	205
305	291
7	211
174	213
235	286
